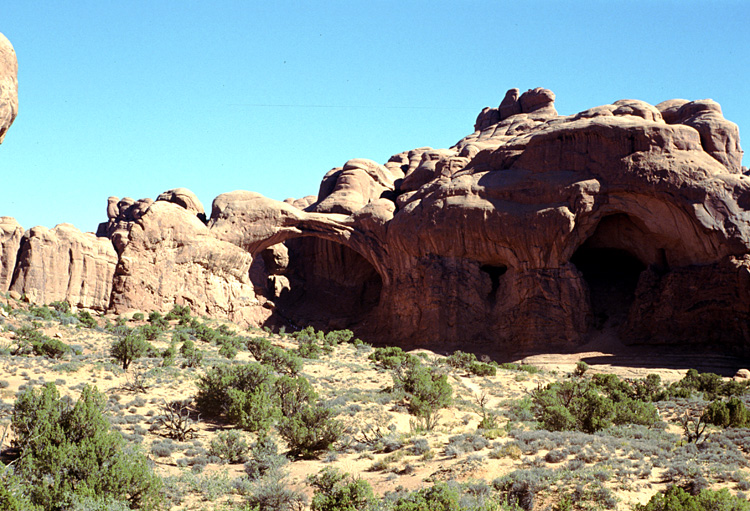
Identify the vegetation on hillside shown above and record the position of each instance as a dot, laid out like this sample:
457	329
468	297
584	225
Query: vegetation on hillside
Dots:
174	411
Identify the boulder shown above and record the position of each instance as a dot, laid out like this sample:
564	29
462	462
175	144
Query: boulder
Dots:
182	197
8	86
64	264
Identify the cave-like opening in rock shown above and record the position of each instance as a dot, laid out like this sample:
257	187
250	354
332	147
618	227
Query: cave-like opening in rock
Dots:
611	274
313	281
494	272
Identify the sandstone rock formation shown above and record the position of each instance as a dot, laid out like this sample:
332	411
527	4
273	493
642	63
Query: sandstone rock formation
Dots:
8	86
533	232
11	233
65	264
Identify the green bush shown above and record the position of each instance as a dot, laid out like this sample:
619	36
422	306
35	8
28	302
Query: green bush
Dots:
426	390
283	361
338	491
230	446
193	356
138	316
156	319
129	347
87	319
310	431
180	312
677	499
61	306
728	414
30	340
69	452
440	497
310	342
42	312
214	398
264	458
391	357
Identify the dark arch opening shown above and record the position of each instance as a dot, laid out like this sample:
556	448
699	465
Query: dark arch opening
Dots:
313	281
612	277
494	272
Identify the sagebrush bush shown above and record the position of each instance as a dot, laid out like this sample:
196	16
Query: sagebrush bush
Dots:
69	451
677	499
230	446
426	390
338	491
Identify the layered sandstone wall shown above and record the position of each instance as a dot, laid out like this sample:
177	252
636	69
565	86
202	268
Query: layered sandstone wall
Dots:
532	232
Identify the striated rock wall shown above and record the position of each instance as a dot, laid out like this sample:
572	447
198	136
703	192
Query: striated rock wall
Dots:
65	264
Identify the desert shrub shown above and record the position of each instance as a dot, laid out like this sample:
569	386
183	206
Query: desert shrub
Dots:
138	316
61	306
230	446
511	366
677	499
338	491
157	320
482	369
193	356
41	312
264	458
129	347
391	357
228	350
168	356
310	431
336	337
580	369
728	414
180	312
30	340
419	446
709	384
590	405
150	332
283	361
86	319
221	387
257	346
460	360
310	342
272	493
521	410
426	390
69	451
440	497
469	363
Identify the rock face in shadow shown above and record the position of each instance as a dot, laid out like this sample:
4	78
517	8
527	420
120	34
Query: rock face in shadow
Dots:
8	86
531	233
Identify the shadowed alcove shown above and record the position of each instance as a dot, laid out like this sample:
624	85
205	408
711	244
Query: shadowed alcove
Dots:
313	281
611	261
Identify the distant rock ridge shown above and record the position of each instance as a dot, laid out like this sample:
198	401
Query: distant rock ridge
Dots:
531	233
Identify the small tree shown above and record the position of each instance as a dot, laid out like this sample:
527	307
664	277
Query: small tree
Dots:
129	347
69	452
426	390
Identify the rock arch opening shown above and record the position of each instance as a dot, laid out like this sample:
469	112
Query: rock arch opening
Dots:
313	281
610	263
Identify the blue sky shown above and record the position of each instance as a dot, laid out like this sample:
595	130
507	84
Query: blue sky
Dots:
134	98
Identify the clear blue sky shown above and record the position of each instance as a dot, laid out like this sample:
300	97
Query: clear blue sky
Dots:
134	98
